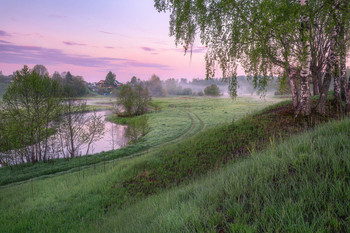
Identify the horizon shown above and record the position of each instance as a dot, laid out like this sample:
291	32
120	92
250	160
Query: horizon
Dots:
91	38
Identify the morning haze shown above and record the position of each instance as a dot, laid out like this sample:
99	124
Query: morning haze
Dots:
174	116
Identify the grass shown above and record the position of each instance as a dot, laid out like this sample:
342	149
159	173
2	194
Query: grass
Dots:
178	187
177	120
301	185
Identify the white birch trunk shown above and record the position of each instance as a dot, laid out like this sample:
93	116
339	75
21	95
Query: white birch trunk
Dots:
304	107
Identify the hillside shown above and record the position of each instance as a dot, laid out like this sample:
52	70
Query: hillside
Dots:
301	185
205	182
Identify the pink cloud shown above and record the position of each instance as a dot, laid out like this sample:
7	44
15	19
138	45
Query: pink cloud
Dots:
148	49
71	43
3	33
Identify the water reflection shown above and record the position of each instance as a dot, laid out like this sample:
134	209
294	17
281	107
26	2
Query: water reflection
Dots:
113	137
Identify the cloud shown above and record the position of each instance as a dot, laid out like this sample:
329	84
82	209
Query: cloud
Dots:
4	42
148	65
3	33
109	47
148	49
195	49
200	49
57	16
71	43
109	33
18	54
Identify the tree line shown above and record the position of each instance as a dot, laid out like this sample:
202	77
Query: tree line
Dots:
305	42
40	119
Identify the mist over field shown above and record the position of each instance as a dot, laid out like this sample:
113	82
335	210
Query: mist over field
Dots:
245	86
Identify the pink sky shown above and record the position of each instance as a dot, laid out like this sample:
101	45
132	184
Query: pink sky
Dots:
90	38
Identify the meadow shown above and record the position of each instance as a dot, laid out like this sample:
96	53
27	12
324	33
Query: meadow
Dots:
177	119
191	173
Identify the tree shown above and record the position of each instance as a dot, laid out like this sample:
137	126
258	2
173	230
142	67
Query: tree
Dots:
77	128
155	87
212	90
110	78
126	99
291	39
31	106
134	100
40	70
74	85
135	81
142	100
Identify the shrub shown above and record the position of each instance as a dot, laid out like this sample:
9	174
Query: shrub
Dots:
212	90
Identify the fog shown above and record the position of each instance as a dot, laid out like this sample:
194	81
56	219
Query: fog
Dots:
245	87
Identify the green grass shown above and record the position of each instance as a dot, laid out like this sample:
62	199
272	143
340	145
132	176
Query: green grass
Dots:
177	120
202	182
301	185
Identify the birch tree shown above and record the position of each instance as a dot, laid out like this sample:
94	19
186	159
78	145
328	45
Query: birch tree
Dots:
288	38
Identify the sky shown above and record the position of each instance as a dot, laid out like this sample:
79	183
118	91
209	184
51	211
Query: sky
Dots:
90	38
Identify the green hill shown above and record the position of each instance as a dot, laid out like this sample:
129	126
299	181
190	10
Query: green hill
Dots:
301	185
203	183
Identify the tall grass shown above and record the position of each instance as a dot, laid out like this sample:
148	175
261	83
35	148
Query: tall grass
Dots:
301	185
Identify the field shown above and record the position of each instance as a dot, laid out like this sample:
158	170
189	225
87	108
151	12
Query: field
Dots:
191	173
177	120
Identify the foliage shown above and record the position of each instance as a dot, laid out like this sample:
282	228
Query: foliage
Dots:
174	88
77	129
296	40
4	82
155	87
212	90
30	106
41	70
133	100
110	78
137	127
73	86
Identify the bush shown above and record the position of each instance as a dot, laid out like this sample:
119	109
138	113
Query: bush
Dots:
187	91
134	100
212	90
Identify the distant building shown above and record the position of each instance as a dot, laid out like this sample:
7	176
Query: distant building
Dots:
117	83
101	83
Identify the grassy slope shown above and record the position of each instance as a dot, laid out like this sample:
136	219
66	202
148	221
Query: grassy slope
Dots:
179	119
301	185
73	201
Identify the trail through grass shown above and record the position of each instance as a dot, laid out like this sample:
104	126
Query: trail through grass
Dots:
178	119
